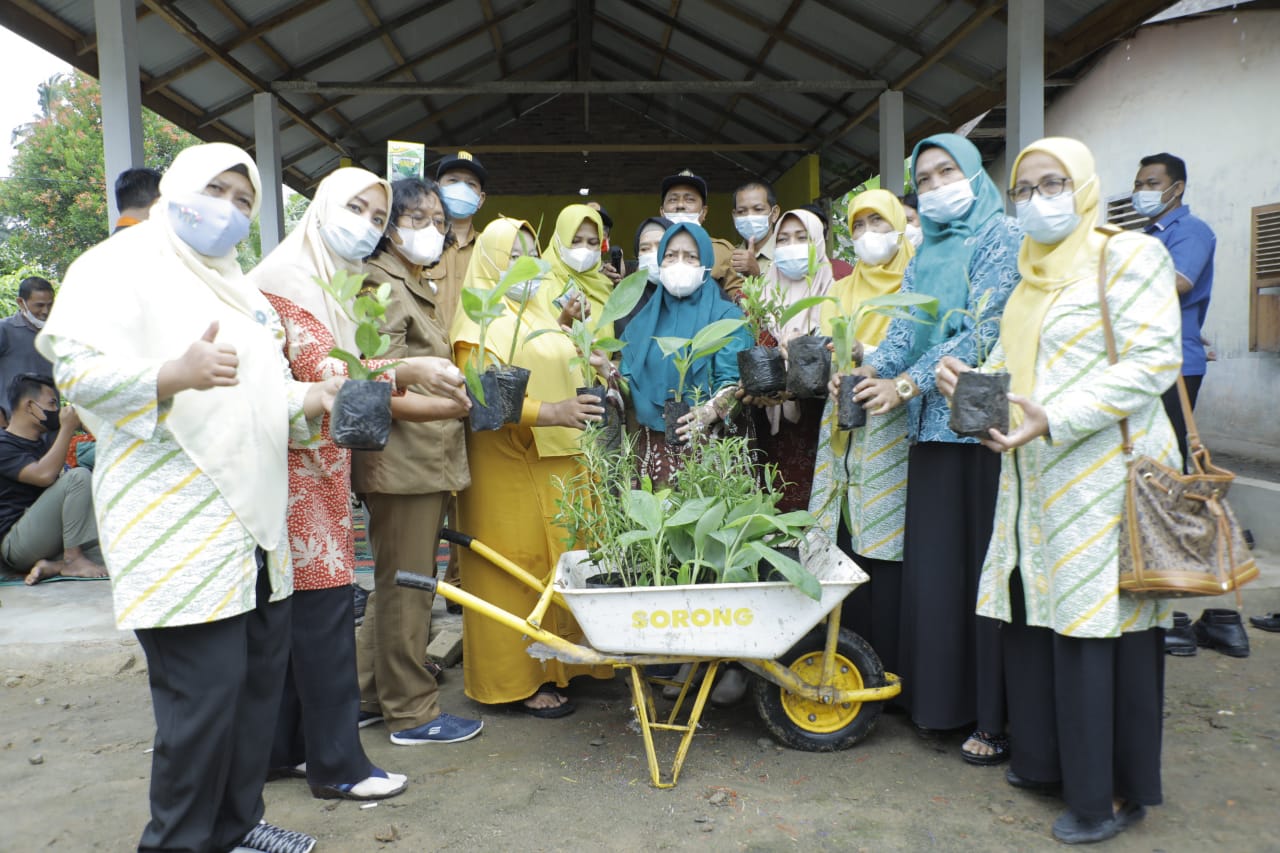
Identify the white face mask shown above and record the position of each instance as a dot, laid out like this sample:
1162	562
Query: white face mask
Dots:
876	248
792	260
422	246
36	322
1151	203
915	235
677	218
649	261
580	259
1048	220
947	203
350	236
754	227
680	280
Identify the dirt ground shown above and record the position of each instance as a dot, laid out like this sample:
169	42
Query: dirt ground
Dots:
74	764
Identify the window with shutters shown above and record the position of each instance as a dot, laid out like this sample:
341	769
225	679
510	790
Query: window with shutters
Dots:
1121	214
1264	279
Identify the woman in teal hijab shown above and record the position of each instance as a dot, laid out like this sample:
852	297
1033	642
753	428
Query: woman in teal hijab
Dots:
949	657
683	306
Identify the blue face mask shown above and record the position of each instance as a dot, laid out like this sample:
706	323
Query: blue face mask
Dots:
792	260
211	226
754	227
460	200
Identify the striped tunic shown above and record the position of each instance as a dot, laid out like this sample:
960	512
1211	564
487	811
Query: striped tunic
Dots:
868	473
1061	497
176	552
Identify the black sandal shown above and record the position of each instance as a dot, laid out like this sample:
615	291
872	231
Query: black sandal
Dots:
999	745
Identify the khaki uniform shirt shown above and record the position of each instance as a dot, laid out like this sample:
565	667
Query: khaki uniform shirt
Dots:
447	276
420	458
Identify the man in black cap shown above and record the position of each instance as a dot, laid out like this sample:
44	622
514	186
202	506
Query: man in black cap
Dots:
684	199
462	182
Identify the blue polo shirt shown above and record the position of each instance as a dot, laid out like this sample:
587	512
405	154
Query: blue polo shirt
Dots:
1191	244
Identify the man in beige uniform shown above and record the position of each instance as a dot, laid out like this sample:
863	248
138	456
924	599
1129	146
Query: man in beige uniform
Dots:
462	181
755	212
684	199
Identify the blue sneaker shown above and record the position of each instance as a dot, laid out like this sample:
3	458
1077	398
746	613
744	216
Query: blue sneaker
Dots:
445	728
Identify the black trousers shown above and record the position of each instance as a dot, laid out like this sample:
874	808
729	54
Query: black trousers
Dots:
1086	712
320	705
949	657
215	690
871	611
1173	408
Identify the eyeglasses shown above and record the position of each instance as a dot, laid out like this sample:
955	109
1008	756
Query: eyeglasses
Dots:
1048	188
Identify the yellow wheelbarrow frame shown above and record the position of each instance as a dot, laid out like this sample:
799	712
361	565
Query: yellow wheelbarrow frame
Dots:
548	645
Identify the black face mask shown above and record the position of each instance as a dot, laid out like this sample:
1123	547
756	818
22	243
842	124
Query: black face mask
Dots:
52	418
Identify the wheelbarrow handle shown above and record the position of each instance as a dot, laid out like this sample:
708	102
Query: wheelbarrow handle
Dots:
456	538
414	581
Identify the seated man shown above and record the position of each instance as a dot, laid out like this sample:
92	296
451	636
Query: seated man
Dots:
47	527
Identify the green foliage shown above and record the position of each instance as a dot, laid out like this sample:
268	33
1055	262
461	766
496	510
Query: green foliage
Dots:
367	307
765	308
55	200
589	335
895	306
714	523
978	317
484	305
708	340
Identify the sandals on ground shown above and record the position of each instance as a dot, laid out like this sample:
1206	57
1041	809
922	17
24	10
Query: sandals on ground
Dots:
998	744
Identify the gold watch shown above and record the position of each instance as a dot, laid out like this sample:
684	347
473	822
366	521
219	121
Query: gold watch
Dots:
905	387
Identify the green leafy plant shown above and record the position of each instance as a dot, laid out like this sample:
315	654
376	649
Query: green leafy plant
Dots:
483	305
766	309
896	306
977	318
590	335
367	307
684	352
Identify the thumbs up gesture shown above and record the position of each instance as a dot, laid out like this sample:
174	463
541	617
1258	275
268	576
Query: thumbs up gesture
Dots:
744	260
207	364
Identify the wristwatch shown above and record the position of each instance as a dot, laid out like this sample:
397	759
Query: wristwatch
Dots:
905	387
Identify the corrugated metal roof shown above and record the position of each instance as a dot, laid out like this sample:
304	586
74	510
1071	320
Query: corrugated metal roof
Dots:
203	60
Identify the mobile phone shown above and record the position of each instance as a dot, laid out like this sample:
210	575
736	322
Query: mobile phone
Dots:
563	299
615	258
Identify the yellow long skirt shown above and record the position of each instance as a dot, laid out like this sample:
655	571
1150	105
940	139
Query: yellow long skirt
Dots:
510	507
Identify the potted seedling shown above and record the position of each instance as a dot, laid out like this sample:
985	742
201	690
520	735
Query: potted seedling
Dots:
762	370
980	402
684	352
849	414
595	334
496	390
808	357
361	416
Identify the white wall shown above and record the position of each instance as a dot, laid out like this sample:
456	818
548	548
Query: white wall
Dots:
1208	91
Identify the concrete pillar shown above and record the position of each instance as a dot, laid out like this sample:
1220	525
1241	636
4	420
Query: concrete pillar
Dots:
1024	99
893	143
266	134
117	26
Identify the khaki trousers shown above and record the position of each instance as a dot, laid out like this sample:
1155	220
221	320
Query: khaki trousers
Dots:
61	518
392	645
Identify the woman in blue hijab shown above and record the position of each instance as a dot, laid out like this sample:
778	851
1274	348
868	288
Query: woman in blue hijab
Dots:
688	301
950	658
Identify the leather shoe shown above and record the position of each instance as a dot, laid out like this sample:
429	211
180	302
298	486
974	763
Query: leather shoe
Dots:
1070	828
1180	640
1032	785
1270	622
1222	630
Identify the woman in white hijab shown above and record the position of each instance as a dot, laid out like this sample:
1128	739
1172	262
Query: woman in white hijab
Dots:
175	364
318	722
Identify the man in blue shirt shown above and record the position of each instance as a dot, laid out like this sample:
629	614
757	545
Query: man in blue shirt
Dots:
1157	194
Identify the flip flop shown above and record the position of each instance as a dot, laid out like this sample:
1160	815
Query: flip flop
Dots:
562	710
999	745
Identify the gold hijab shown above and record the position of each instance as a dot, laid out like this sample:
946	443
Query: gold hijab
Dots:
1047	269
869	280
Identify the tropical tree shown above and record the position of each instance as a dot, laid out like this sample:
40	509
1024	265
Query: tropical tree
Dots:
54	203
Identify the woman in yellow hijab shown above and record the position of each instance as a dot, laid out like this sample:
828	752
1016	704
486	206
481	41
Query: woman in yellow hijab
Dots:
860	475
512	499
1084	664
574	255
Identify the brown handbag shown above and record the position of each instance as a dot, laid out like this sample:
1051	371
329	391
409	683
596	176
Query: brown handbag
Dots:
1178	536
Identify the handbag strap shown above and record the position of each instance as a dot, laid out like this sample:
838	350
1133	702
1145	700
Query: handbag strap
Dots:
1195	447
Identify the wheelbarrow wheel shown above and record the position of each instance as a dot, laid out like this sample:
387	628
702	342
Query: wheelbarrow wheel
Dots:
812	726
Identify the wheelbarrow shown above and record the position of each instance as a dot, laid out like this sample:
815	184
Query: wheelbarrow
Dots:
819	687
